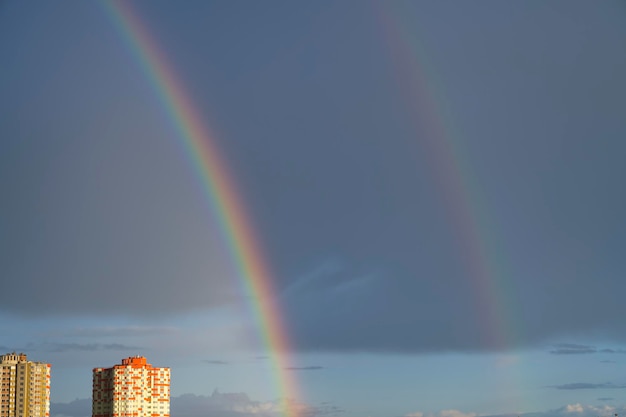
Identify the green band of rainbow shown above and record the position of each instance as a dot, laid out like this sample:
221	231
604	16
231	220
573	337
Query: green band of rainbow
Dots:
219	189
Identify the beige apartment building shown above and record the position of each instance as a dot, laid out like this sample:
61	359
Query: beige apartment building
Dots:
133	388
24	387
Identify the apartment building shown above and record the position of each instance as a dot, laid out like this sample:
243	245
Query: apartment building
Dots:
24	387
133	388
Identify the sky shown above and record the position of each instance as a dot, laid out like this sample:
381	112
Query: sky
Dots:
436	190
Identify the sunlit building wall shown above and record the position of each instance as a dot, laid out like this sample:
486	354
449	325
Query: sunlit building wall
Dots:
132	389
24	387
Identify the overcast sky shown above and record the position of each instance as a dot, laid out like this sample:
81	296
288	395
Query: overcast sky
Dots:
437	188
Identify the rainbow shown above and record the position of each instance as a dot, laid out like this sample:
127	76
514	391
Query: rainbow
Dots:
485	264
424	98
219	189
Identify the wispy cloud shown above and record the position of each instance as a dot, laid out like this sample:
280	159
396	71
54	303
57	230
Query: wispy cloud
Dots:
605	399
586	385
612	351
572	349
215	362
304	368
576	349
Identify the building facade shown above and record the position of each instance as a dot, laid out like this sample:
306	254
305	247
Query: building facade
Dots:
133	388
24	387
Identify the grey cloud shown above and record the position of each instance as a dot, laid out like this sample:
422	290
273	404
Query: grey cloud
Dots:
605	399
608	361
76	408
412	266
411	253
304	368
612	351
375	311
215	362
576	349
586	385
326	409
572	349
111	238
381	219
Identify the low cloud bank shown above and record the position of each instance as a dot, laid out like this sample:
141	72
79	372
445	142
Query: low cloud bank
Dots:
216	405
570	410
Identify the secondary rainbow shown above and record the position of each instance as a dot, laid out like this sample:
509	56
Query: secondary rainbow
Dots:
424	97
219	189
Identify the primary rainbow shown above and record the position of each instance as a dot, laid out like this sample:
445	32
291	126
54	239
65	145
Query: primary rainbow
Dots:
220	189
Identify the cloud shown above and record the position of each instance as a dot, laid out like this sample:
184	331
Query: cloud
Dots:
217	405
569	410
304	368
572	349
608	361
582	410
240	405
111	238
586	385
215	362
576	349
76	408
605	399
103	212
442	413
574	408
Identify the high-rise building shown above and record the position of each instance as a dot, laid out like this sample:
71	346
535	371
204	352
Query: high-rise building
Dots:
133	389
24	387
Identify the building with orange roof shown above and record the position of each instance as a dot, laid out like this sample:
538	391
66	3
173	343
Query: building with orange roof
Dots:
133	388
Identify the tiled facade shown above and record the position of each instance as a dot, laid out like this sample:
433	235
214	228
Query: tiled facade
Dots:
132	389
24	387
